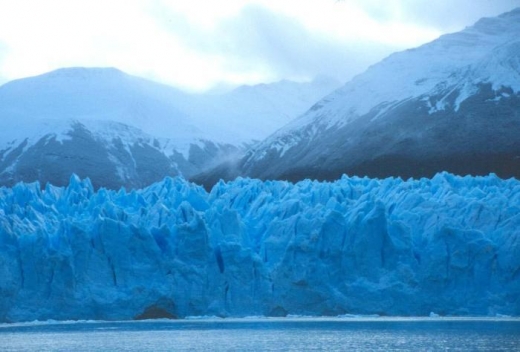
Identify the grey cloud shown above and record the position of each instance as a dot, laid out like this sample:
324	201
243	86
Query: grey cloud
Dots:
265	39
3	55
259	40
444	15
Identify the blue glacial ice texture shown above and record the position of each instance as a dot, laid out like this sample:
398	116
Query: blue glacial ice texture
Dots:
449	244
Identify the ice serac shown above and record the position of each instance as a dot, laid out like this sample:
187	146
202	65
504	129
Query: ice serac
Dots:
448	245
449	105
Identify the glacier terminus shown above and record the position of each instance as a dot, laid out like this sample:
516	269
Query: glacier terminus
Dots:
448	245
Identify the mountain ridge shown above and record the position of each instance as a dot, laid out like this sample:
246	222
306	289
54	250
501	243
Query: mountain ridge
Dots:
448	90
45	118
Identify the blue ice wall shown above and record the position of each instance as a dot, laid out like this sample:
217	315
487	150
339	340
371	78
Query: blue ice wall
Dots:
449	245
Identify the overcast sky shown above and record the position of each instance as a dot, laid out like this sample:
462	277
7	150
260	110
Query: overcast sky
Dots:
197	44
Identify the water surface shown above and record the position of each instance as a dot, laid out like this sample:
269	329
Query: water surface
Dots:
289	334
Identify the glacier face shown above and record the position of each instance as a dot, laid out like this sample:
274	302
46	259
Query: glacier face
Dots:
449	244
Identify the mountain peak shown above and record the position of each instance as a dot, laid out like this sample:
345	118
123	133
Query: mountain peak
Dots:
322	79
515	13
504	25
84	73
451	104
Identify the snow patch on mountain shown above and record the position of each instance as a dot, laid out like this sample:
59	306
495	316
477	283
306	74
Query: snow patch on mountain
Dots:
241	116
251	113
122	116
449	68
105	94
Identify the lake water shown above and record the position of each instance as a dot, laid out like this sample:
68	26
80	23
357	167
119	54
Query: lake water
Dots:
298	334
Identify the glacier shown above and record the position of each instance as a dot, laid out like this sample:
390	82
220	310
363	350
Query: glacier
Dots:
449	245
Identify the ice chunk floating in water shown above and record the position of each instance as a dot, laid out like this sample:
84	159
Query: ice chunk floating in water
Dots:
449	245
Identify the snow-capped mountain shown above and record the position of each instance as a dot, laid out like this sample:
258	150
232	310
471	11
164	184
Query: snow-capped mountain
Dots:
252	113
452	104
111	154
98	94
122	130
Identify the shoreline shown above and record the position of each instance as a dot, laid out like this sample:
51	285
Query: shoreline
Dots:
254	319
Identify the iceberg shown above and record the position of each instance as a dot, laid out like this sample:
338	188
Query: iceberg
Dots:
449	245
